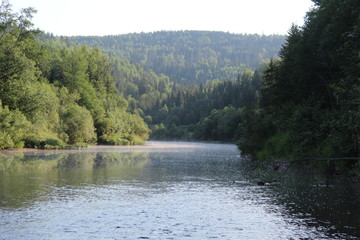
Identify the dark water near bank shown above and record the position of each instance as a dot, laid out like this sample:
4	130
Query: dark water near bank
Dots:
167	191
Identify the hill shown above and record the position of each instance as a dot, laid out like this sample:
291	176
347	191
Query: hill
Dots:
189	57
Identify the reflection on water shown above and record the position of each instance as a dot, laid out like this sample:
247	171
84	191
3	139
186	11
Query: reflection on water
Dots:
24	177
166	191
334	208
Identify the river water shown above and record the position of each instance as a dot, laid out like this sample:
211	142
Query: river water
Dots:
171	190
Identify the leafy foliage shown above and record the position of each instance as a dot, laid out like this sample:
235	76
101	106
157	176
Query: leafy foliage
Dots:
53	94
311	93
78	124
14	128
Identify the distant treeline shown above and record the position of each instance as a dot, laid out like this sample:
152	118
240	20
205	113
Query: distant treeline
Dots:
190	57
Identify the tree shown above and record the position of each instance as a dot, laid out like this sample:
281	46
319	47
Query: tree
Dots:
78	124
310	94
14	128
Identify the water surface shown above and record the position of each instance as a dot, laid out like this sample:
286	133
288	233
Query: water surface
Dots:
166	191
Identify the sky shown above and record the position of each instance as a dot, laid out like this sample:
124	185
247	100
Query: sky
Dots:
112	17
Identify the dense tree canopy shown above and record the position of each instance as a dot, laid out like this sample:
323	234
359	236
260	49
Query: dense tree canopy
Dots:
297	100
52	94
311	92
208	113
190	57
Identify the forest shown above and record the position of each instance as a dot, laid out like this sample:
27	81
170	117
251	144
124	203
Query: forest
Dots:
190	57
54	95
277	97
309	95
174	80
60	91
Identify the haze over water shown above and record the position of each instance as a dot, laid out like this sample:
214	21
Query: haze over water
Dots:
166	191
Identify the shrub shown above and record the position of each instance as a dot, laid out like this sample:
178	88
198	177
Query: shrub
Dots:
14	128
78	124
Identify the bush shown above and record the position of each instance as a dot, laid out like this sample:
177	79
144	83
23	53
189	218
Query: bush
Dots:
276	147
256	126
14	128
122	128
33	142
78	124
113	140
158	131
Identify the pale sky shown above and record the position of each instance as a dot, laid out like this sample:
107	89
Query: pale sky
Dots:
111	17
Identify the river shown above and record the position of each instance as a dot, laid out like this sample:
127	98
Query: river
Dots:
167	190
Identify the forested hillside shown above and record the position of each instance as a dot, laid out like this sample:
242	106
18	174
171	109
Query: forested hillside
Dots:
213	113
277	98
310	95
190	57
175	79
52	95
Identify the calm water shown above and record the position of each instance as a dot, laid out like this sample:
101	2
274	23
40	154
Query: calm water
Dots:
167	191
